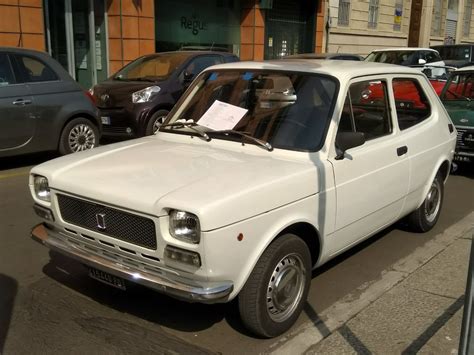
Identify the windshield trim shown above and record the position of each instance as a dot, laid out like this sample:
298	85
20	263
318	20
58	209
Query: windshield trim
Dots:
184	98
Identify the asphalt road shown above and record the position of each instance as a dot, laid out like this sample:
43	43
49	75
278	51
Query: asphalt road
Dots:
48	304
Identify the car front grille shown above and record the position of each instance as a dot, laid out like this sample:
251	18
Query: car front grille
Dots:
109	221
465	139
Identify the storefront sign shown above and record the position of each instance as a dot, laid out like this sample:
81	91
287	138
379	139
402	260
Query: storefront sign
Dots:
193	24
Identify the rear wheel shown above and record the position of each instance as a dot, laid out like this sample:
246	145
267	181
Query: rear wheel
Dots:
79	134
155	122
425	217
276	290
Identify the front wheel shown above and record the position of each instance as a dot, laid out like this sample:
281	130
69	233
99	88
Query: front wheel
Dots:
155	122
425	217
276	290
79	134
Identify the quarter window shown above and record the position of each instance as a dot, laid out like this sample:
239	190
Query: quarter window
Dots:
34	70
410	101
6	72
366	110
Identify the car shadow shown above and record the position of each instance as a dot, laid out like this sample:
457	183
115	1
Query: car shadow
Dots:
464	169
8	291
26	160
137	300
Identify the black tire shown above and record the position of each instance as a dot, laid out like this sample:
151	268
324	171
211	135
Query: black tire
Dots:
259	306
77	135
155	122
425	217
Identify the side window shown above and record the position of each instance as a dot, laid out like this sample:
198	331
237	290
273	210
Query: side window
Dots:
6	72
410	101
35	70
431	57
198	64
366	109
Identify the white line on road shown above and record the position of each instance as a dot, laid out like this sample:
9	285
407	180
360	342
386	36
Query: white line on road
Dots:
342	311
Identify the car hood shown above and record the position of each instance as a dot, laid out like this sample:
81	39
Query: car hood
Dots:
461	112
117	93
150	175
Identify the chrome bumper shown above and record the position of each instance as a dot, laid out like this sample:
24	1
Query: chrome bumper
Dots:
173	285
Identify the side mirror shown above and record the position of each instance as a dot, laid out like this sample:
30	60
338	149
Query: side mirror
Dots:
428	72
421	61
348	140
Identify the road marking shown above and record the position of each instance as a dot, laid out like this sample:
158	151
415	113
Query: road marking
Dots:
309	334
6	176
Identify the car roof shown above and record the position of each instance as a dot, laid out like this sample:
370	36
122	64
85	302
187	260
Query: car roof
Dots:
21	50
320	55
191	53
340	69
405	49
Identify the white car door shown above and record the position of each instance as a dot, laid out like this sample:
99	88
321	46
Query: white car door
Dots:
372	179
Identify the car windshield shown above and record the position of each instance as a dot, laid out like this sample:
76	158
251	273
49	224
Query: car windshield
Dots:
402	57
455	53
459	87
152	67
289	110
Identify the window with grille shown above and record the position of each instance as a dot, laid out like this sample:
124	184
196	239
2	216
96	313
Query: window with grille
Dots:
436	24
344	10
373	13
467	17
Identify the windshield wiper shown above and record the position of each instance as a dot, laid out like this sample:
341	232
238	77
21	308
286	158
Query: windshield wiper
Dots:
188	124
261	142
142	79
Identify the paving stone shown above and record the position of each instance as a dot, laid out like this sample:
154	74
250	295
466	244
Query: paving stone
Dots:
446	274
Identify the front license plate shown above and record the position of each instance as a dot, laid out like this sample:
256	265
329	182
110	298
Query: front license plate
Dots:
105	120
461	158
107	278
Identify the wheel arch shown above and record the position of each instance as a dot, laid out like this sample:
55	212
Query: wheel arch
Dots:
443	166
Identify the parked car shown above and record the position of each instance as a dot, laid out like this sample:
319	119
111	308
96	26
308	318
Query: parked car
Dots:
457	97
456	55
261	173
135	101
41	107
410	56
327	56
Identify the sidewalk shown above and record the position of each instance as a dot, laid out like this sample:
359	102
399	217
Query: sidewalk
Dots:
416	309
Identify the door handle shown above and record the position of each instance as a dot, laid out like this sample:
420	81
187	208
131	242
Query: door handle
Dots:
21	102
402	150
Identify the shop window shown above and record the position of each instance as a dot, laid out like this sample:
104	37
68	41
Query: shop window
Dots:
344	11
411	103
373	13
366	110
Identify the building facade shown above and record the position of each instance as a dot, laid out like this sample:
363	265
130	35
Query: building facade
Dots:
94	38
359	26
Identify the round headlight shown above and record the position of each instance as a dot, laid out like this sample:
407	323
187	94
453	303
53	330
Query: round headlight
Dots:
42	188
185	226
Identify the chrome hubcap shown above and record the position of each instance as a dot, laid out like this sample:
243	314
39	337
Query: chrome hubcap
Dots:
433	201
158	122
81	137
285	288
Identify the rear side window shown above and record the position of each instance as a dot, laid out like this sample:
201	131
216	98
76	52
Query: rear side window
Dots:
366	109
6	72
34	70
410	101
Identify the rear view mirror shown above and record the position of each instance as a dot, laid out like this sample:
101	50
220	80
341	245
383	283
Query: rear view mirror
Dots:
348	140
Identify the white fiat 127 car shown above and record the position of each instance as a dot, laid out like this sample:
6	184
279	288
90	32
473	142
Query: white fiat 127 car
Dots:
261	173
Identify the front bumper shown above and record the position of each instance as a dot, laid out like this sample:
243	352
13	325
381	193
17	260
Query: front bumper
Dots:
173	285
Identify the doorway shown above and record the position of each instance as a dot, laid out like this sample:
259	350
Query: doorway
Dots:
289	28
415	23
76	35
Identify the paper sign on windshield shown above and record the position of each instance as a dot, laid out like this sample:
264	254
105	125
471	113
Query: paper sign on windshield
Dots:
222	116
